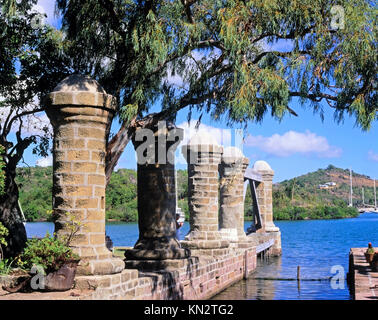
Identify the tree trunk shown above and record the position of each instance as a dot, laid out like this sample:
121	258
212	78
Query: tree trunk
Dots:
115	149
11	216
118	143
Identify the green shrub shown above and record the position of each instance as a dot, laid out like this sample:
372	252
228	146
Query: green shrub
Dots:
316	212
183	204
3	243
49	252
370	249
2	172
5	266
128	212
282	213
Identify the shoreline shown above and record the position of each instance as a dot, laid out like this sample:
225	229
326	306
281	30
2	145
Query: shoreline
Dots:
248	219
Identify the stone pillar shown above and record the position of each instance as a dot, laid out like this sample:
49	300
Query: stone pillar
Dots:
81	113
264	195
203	156
231	170
156	195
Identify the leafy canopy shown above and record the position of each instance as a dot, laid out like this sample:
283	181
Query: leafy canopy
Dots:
2	173
241	59
3	233
32	61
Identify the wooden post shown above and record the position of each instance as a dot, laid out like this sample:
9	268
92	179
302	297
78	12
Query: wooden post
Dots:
298	273
245	264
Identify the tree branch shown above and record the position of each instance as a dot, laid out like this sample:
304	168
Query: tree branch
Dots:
279	54
187	4
115	148
290	35
19	115
313	97
115	21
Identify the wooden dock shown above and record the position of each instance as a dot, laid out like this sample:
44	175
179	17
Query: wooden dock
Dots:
363	281
368	209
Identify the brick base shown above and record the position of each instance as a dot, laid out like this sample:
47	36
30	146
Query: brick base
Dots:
101	267
198	277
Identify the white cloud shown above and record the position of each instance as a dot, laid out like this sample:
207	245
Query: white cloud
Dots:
293	142
44	162
372	155
47	7
222	136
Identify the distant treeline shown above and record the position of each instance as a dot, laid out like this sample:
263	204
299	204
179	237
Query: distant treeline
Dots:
35	184
294	199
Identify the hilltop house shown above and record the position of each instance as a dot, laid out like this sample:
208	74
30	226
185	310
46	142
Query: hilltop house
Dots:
327	185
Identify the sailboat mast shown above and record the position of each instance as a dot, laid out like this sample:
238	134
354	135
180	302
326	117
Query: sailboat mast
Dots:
351	189
375	196
363	196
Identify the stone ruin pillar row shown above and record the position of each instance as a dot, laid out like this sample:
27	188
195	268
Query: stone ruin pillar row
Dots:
265	198
203	158
231	219
81	112
260	194
157	197
264	193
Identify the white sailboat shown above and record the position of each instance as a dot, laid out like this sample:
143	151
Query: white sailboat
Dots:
351	189
367	207
180	215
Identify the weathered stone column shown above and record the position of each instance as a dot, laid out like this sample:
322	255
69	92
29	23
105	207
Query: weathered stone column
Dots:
203	156
264	195
157	195
81	113
231	170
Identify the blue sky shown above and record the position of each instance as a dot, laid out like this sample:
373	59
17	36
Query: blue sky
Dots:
292	147
312	144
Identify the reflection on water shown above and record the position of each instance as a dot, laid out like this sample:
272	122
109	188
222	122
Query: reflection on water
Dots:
316	246
39	229
122	234
257	287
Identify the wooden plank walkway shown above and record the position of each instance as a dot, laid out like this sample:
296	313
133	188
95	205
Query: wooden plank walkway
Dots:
364	280
264	246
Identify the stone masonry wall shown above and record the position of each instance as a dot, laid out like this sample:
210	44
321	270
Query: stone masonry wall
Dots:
194	278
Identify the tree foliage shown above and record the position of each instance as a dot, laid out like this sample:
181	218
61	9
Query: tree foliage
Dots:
31	63
236	60
3	233
239	58
2	172
35	186
121	196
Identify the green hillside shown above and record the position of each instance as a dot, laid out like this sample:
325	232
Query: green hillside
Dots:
301	197
35	187
294	199
35	184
